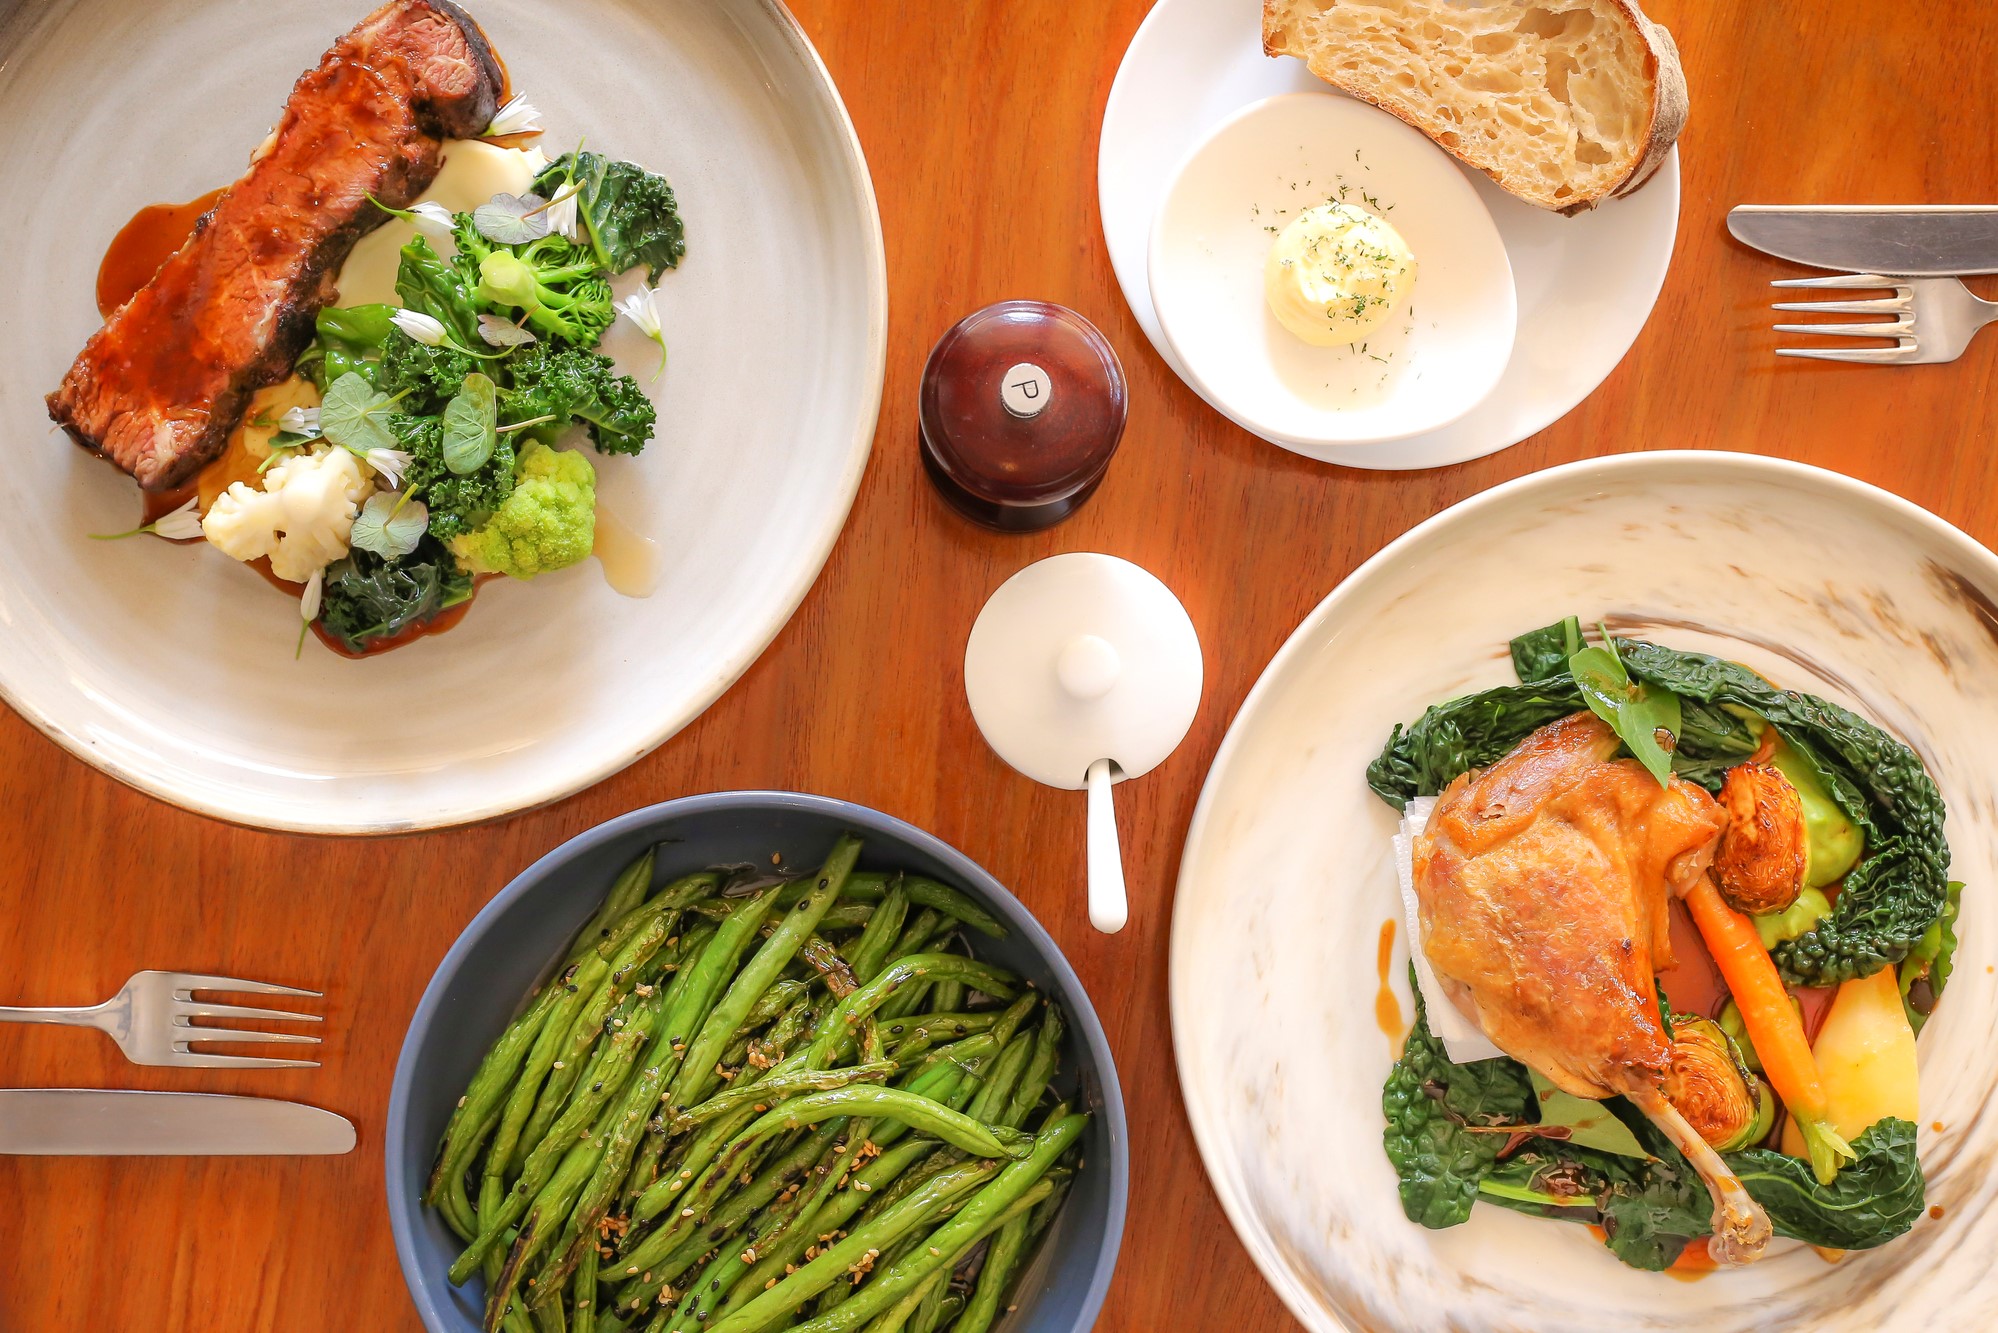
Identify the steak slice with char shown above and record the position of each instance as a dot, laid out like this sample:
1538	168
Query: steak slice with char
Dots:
160	387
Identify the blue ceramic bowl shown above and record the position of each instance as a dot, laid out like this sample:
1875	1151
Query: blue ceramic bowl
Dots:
508	946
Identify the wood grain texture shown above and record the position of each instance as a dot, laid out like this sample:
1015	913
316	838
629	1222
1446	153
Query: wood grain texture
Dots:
980	124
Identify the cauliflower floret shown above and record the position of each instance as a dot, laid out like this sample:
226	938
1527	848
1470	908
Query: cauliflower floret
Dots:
548	522
301	519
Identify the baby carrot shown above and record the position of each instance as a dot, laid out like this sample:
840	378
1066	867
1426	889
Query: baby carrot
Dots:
1773	1025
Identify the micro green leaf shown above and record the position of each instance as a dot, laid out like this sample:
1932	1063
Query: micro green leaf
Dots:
354	415
1635	712
390	525
471	421
497	332
512	219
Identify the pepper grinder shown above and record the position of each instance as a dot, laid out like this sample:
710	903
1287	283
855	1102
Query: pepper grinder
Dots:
1084	670
1022	406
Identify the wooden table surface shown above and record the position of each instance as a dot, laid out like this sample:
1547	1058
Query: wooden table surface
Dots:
980	125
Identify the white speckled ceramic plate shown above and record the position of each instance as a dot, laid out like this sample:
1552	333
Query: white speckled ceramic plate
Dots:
172	668
1818	581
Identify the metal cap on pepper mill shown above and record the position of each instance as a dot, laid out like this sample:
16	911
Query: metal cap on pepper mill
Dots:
1022	406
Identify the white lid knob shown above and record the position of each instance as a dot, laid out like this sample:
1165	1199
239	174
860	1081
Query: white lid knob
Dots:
1088	667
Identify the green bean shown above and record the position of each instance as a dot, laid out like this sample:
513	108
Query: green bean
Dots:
919	1113
995	1095
696	1073
479	1109
995	1276
768	1091
772	1005
768	1307
627	891
948	1309
898	1316
986	1212
872	885
911	1037
840	1027
577	1052
584	1297
520	1101
870	952
1040	1070
831	966
848	916
553	1155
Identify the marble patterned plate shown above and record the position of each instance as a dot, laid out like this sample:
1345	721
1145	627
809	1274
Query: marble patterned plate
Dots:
1818	581
172	668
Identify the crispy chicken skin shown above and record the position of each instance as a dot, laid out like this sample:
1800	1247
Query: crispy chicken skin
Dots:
1542	884
158	389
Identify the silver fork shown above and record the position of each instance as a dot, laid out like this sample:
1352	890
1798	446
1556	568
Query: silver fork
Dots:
152	1020
1933	319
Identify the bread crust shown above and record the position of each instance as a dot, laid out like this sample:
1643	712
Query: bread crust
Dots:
1670	105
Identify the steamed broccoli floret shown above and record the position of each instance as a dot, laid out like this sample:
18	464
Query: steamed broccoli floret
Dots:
555	283
548	522
572	383
430	374
457	504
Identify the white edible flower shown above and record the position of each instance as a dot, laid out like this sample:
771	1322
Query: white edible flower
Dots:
562	212
389	464
423	328
180	524
433	220
308	601
301	519
536	160
642	309
300	421
518	116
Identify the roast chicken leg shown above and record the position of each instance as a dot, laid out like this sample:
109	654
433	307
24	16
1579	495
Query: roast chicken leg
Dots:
1542	882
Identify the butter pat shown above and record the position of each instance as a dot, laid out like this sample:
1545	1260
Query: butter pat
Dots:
1336	273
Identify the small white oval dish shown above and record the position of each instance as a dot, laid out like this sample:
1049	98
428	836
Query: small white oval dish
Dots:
1438	354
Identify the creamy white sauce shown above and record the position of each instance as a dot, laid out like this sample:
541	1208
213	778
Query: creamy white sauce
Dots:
632	564
473	172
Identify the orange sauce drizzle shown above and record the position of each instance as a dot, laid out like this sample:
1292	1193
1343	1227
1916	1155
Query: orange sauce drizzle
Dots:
1387	1007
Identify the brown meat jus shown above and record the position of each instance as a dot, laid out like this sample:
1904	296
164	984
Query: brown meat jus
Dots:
159	388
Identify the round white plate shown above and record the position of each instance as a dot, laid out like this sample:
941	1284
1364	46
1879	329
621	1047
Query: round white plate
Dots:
1818	581
1432	360
171	667
1586	284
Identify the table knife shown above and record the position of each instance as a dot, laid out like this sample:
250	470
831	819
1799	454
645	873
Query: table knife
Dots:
1916	241
83	1122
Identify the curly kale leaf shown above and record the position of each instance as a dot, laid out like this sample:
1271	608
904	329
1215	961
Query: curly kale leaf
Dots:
366	597
1873	1200
442	289
572	384
457	504
630	214
1896	894
1429	1102
428	375
1455	737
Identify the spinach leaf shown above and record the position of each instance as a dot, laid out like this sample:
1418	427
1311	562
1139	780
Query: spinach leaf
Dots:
1648	1209
1874	1199
368	598
1429	1102
1898	891
1544	654
1586	1124
629	213
1711	741
1455	737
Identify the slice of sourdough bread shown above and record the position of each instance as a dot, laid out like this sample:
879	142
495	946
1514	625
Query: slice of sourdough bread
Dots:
1564	103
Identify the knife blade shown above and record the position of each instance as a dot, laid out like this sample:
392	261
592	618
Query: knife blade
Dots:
85	1122
1915	241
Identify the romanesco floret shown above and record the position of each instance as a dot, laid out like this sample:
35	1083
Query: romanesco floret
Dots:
301	518
548	522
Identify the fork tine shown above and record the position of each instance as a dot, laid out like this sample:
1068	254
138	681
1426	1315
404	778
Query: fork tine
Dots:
1840	280
186	1011
202	1060
1880	328
1886	305
194	981
1883	356
191	1034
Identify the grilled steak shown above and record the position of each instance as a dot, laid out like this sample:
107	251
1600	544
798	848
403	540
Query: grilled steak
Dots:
160	387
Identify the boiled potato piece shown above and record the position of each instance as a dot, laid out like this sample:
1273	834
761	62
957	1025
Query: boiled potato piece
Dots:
1866	1060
